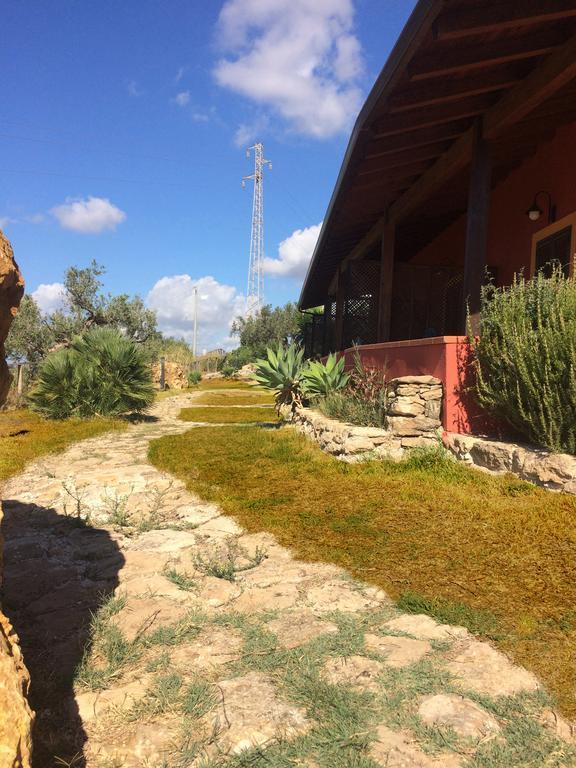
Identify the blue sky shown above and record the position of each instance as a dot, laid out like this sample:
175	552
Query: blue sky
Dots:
124	128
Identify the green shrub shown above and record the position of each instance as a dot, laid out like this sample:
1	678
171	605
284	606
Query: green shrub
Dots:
525	359
228	371
194	377
362	401
345	406
322	379
102	373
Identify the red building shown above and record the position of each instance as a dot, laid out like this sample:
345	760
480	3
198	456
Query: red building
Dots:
461	164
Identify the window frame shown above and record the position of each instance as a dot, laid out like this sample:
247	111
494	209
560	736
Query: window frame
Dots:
551	229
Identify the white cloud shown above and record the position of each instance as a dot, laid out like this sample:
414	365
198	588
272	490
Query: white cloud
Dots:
182	98
294	253
179	75
299	58
5	221
134	89
50	297
218	305
89	216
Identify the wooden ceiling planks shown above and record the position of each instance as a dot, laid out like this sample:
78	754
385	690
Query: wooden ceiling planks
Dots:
457	60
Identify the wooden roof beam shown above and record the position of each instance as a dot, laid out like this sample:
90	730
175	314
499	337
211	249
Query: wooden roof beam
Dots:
481	55
429	117
542	83
422	95
420	137
510	15
374	164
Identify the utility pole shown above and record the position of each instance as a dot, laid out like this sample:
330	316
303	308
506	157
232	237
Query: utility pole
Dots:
255	292
195	336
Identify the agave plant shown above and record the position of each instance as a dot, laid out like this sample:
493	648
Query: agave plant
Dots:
101	374
323	379
282	372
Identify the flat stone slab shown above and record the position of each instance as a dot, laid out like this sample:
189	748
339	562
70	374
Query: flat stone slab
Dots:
424	627
299	627
143	615
462	715
399	651
354	670
338	595
214	647
396	749
250	714
483	669
275	597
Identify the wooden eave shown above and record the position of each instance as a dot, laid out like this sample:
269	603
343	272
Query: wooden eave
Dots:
511	64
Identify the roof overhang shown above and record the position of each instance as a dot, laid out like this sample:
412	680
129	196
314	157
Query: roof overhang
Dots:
511	64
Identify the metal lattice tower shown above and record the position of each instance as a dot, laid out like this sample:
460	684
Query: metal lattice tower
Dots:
255	291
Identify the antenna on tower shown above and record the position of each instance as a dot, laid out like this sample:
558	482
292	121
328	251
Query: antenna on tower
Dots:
255	292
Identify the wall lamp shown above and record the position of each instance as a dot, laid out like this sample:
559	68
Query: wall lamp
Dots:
535	212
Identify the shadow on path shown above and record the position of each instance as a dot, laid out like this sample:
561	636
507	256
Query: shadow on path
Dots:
57	572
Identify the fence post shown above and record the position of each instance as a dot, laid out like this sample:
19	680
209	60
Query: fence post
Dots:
20	378
162	373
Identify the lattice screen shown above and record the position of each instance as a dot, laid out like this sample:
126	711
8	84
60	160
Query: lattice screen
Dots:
362	280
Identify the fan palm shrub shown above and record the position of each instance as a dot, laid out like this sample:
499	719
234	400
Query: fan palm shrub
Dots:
102	373
525	358
323	379
282	372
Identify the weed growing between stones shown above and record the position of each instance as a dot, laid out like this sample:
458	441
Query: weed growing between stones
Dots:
75	506
181	578
116	507
224	562
108	652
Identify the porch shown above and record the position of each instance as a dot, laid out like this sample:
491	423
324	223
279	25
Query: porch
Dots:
460	169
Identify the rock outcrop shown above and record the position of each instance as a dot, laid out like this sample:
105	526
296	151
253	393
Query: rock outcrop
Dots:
11	290
15	714
175	375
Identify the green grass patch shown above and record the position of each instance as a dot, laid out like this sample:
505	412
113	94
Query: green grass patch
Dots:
448	540
223	415
224	384
234	398
25	436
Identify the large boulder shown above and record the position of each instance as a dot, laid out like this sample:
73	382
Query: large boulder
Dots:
15	714
11	290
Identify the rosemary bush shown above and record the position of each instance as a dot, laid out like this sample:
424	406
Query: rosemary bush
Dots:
525	359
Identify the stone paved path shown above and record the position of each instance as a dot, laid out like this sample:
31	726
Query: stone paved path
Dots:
160	635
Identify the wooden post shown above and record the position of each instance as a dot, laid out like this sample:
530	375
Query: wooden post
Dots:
20	378
386	281
476	229
162	374
340	300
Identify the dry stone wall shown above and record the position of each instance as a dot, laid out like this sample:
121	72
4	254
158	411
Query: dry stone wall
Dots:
15	714
555	471
413	416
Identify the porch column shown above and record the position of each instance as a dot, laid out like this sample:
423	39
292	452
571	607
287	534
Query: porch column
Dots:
476	228
386	281
340	299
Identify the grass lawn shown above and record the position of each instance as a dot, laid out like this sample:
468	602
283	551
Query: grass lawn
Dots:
493	553
25	436
217	415
234	398
224	384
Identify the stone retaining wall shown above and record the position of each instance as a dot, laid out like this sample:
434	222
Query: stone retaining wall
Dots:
413	415
413	419
555	471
